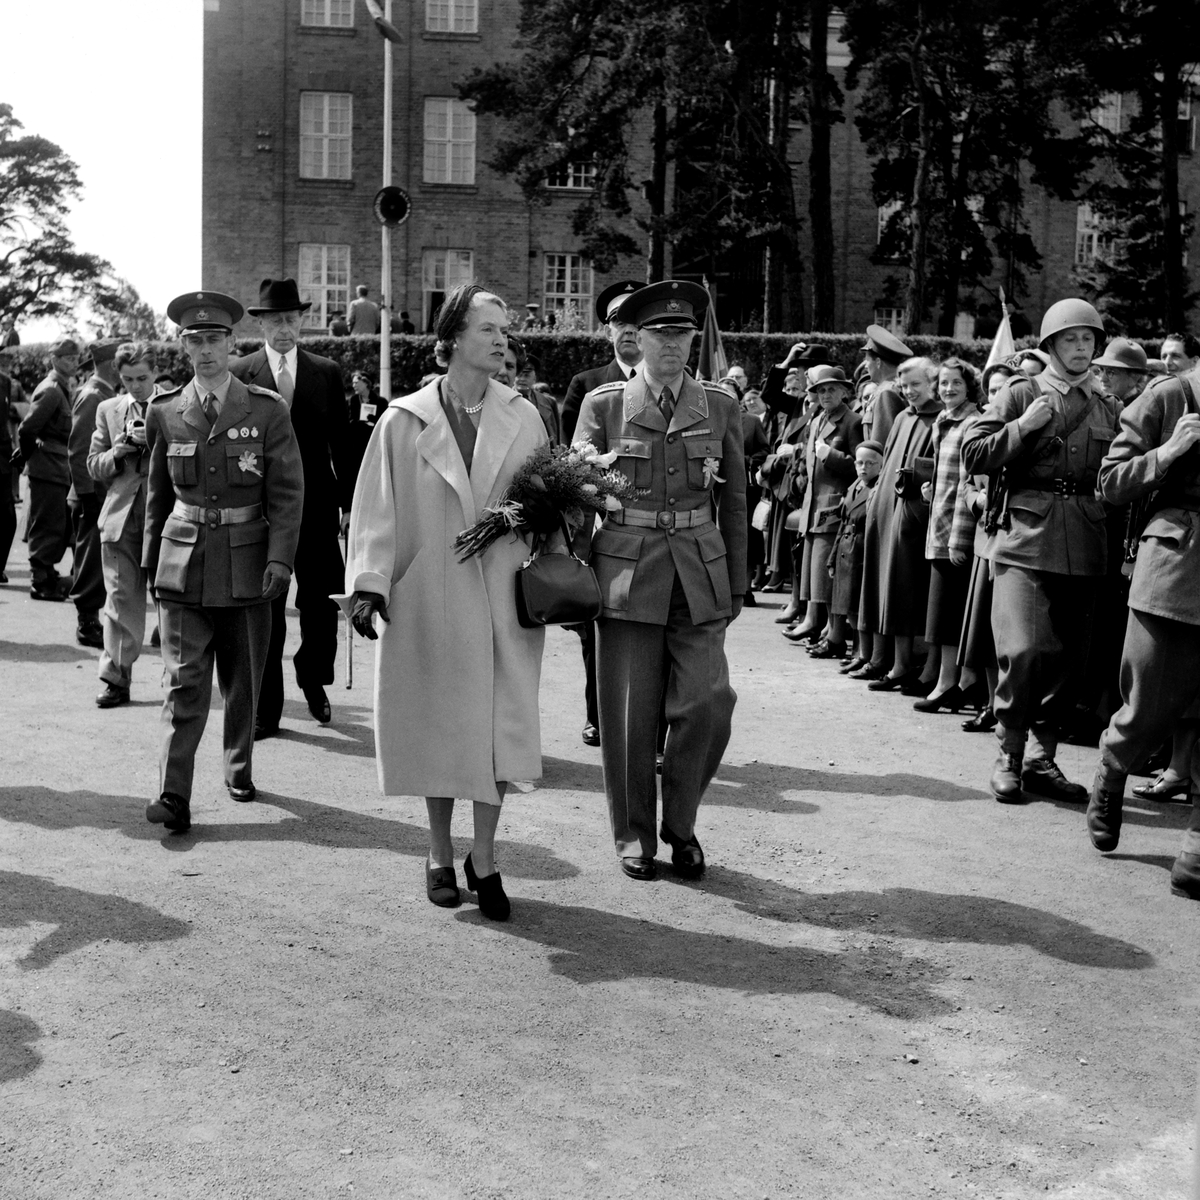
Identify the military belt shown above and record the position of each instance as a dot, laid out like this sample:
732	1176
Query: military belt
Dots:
1060	487
664	520
216	516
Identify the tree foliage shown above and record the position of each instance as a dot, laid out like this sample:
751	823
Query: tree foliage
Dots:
118	311
41	272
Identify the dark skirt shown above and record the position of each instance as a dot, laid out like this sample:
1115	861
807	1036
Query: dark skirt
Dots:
947	602
779	541
976	647
847	578
904	571
815	583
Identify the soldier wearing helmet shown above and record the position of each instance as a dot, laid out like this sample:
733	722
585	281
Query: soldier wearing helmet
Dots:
1123	369
1048	435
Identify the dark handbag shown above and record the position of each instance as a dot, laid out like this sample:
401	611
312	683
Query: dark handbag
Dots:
556	589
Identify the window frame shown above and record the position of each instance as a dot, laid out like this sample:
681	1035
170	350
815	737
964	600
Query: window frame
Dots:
578	176
322	307
433	256
893	323
466	11
582	298
310	140
436	174
326	7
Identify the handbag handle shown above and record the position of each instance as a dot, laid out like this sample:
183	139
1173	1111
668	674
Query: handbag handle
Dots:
562	524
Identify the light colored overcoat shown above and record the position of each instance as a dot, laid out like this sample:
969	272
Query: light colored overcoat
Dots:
456	677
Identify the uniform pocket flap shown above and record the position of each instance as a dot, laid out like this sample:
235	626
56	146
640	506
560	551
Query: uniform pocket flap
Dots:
1101	435
630	447
182	450
175	529
702	447
237	449
711	545
617	545
1037	503
1170	530
248	534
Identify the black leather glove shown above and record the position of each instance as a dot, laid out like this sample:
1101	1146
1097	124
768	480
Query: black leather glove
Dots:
363	610
540	515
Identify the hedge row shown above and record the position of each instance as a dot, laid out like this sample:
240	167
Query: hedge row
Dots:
562	354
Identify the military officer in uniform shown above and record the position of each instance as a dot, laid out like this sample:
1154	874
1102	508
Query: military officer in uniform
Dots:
1049	548
224	498
881	401
672	572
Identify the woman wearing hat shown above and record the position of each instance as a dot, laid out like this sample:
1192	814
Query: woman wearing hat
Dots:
456	677
833	436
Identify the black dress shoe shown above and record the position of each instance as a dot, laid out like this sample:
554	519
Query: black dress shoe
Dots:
687	859
441	886
853	664
90	633
1045	779
50	592
318	703
803	635
1104	816
983	722
243	795
951	700
489	891
172	811
918	686
827	649
265	731
642	869
110	696
891	683
591	735
869	672
748	600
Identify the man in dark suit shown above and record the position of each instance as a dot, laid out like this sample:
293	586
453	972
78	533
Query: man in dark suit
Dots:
315	394
626	356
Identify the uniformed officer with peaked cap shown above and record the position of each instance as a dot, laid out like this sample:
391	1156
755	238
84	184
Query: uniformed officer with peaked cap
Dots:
672	573
223	502
882	403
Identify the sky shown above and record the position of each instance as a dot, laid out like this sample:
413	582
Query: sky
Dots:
118	87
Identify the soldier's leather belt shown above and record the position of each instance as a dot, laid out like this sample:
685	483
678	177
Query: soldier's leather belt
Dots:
664	520
216	516
1060	487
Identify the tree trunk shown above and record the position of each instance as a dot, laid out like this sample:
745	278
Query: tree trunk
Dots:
656	256
914	308
1172	239
956	178
820	207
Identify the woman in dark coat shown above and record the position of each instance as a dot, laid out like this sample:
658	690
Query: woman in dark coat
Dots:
366	407
895	588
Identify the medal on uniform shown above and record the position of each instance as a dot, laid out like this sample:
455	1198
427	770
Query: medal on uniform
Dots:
245	431
231	434
254	432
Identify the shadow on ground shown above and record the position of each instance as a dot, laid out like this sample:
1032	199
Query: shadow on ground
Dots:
35	653
588	945
309	824
79	917
18	1057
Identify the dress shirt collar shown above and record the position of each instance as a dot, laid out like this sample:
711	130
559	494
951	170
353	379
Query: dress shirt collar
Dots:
655	386
199	390
626	369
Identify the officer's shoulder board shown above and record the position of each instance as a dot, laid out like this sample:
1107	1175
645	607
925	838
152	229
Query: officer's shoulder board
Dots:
262	391
169	394
605	388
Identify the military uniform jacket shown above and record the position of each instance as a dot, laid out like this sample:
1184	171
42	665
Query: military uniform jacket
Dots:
1063	534
636	565
1166	574
124	477
579	387
83	425
882	403
248	457
44	432
828	478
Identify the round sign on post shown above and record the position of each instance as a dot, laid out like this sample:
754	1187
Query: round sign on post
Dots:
391	206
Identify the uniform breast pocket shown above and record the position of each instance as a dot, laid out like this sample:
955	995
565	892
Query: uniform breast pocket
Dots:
244	463
181	463
247	559
1098	445
633	460
697	451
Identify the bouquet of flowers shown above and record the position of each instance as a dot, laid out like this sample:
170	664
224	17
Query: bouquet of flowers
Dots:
566	481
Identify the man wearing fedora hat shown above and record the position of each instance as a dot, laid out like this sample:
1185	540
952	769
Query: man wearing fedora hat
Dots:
672	572
224	494
314	391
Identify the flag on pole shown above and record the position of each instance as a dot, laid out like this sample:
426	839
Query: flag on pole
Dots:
1002	344
713	364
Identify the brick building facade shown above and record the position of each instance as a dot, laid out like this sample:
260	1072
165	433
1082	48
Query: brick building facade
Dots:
292	159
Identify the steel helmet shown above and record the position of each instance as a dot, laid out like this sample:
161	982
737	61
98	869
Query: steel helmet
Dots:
1070	314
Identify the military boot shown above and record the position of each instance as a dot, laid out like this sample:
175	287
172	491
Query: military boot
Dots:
1041	775
1104	810
1006	778
1185	874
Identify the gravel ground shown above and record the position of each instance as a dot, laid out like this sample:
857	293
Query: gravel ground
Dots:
885	985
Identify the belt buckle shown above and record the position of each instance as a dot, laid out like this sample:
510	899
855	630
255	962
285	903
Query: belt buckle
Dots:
665	520
212	516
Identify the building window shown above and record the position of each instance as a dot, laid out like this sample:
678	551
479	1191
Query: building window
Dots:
325	119
1089	239
452	16
336	13
449	141
568	290
324	278
886	213
1108	113
579	175
442	270
1186	136
892	319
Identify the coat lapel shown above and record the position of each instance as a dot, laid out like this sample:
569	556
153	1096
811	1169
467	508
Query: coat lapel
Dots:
639	406
691	405
499	425
188	407
235	410
436	444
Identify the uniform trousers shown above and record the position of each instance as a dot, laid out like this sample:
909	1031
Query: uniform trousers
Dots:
8	517
87	574
47	529
1041	621
124	612
193	638
1160	679
683	666
318	572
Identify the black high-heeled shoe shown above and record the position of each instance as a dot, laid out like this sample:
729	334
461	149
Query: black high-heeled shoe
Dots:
951	700
441	886
489	891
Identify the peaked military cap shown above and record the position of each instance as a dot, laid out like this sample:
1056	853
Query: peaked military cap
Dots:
886	345
204	310
102	350
64	347
673	302
610	299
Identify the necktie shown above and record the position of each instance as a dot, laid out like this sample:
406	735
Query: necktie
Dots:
284	382
666	404
210	408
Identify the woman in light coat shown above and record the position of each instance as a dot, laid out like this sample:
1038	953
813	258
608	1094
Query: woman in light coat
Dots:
456	677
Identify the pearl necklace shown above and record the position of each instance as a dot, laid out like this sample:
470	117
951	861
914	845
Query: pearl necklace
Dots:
470	411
